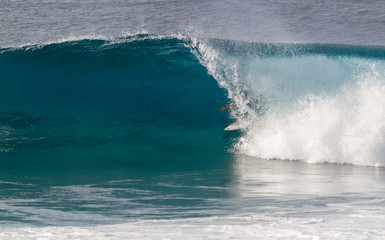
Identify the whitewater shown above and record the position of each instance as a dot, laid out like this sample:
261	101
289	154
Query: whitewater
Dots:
110	121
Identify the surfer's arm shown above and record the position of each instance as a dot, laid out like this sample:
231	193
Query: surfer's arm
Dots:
229	106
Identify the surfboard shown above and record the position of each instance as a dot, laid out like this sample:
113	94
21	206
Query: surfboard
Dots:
234	126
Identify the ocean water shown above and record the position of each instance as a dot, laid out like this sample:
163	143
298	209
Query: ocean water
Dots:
110	121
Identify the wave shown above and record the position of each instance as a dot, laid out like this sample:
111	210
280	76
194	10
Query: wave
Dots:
154	98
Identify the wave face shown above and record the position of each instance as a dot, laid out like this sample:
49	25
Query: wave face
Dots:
138	100
155	99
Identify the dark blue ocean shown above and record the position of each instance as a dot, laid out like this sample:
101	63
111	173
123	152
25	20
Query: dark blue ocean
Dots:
110	121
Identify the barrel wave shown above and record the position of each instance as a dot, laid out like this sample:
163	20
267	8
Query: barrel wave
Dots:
149	100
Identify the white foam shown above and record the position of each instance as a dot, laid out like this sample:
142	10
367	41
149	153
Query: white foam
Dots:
344	127
231	227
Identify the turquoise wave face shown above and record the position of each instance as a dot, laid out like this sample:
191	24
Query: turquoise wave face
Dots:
94	102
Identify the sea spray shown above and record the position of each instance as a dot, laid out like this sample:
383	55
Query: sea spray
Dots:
316	103
342	127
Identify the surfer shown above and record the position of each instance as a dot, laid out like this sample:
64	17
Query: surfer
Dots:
234	126
229	106
252	103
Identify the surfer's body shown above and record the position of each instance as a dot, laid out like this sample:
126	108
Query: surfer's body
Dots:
229	106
